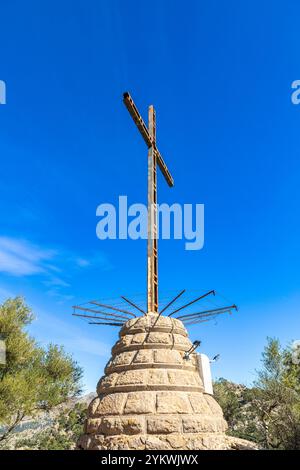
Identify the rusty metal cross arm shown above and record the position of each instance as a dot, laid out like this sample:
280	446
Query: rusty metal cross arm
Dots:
139	122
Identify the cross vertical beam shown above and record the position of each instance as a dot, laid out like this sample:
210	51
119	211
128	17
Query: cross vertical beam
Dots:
152	265
154	158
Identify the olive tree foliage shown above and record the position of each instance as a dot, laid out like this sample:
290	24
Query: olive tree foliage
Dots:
268	412
33	378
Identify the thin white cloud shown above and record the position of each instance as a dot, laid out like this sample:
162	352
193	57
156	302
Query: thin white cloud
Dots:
21	258
56	281
82	263
53	268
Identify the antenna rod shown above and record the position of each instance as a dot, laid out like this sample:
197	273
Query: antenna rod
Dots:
172	301
85	309
206	313
112	308
192	302
111	324
133	305
91	316
198	321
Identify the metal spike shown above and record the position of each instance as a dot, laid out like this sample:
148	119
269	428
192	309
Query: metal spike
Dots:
208	312
172	301
92	316
192	302
112	308
100	323
86	309
133	305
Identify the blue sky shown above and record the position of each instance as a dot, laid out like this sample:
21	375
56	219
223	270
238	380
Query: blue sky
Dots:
219	74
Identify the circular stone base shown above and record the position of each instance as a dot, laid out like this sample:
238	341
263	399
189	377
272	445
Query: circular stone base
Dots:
151	397
176	441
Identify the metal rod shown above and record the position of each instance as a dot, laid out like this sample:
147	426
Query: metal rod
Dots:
111	324
112	308
92	316
209	312
133	305
192	302
172	301
152	242
199	321
86	309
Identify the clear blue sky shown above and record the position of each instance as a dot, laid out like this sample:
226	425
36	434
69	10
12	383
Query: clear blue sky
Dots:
219	74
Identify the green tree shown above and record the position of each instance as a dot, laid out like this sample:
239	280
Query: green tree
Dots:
63	433
269	412
33	378
277	400
235	400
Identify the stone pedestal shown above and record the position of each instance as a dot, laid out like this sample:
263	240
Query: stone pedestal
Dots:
152	398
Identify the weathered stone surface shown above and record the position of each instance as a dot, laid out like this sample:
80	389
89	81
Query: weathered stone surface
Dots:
111	425
138	403
92	425
121	425
167	356
143	356
157	376
132	377
202	423
235	443
111	404
139	338
92	408
133	424
106	382
163	425
214	406
158	338
123	358
154	443
182	341
178	377
199	404
176	442
172	402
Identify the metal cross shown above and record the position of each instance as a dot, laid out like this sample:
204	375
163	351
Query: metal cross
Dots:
154	158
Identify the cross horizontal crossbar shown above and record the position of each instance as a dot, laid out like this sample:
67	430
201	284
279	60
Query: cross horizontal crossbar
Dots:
138	120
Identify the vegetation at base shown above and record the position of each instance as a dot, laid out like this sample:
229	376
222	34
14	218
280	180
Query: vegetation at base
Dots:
269	412
62	435
34	378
